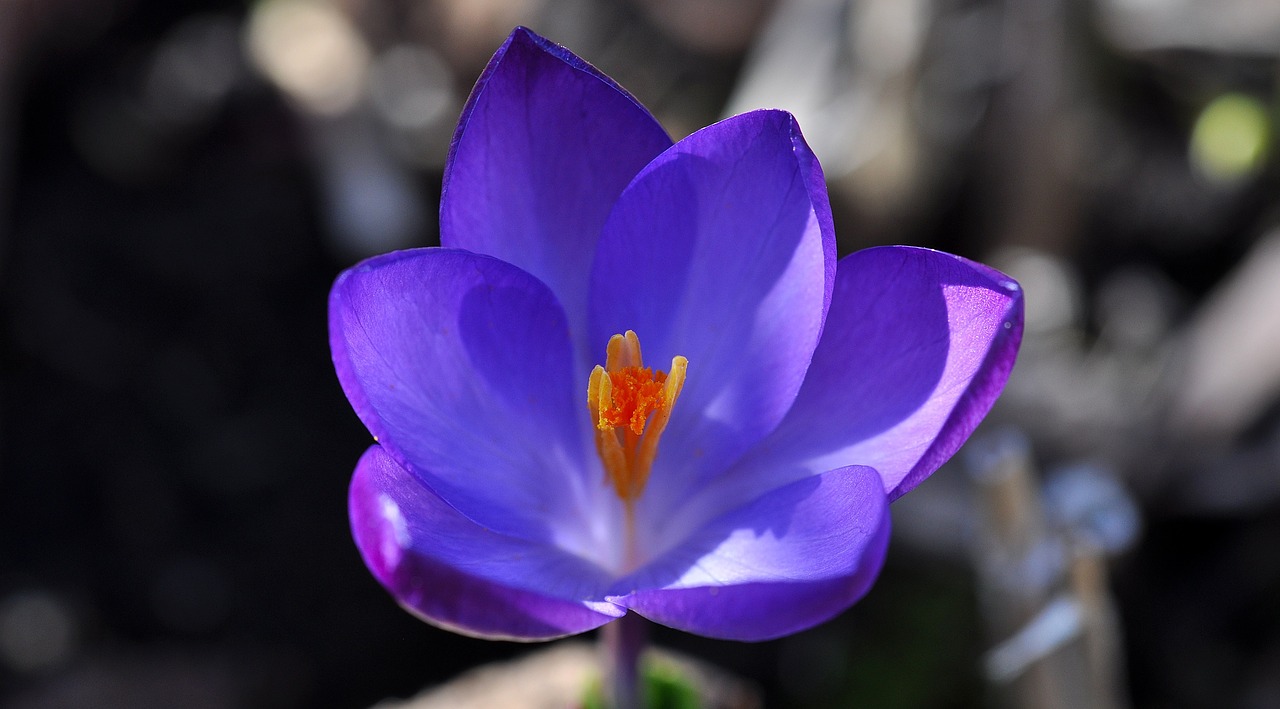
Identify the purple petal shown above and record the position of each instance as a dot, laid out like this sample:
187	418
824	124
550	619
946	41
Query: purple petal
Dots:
723	251
545	145
461	366
917	346
463	577
791	559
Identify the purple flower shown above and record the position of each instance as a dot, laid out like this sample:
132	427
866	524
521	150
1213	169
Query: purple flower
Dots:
537	474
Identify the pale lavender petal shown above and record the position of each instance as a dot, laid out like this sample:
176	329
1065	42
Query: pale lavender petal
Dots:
545	145
459	575
723	251
461	366
791	559
917	346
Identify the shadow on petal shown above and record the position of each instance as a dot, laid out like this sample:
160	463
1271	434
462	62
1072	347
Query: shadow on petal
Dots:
917	346
888	341
788	560
544	146
461	366
460	576
720	251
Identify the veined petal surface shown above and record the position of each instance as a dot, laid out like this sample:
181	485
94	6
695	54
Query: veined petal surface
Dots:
721	250
461	365
790	559
545	145
917	346
459	575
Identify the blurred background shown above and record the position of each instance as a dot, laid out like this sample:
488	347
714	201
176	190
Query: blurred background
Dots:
181	180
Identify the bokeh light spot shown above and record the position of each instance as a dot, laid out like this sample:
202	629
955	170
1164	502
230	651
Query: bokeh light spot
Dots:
1230	139
37	632
311	51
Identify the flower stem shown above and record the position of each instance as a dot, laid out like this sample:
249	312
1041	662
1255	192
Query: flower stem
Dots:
623	643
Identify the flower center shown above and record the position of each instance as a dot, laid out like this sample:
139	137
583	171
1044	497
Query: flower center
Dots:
630	406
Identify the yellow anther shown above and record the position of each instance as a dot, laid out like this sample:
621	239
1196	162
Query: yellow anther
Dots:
630	407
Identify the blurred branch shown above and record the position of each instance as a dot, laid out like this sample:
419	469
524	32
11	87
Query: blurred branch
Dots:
849	71
1044	590
1237	26
1030	131
1232	369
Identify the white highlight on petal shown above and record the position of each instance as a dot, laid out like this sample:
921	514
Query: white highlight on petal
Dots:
395	533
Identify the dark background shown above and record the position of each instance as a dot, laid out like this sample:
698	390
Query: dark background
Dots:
176	198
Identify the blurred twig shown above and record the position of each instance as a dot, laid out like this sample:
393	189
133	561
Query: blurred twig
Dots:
1223	25
1044	591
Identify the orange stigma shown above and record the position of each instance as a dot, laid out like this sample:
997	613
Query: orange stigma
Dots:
630	407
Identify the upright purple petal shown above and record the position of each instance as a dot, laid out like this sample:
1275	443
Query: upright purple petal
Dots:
463	577
545	145
461	366
793	558
723	251
917	346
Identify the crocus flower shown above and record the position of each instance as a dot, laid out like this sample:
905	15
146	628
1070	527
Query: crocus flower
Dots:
635	378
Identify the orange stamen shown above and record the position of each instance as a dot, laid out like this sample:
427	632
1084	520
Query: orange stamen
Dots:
630	407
